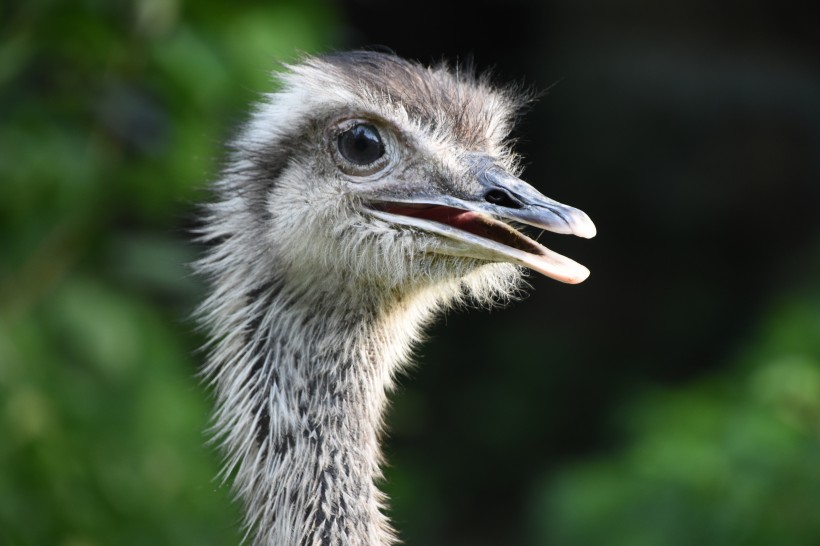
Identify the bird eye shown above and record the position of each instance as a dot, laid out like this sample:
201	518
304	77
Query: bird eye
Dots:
361	144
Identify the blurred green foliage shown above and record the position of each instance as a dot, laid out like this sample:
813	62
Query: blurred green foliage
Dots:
731	459
111	117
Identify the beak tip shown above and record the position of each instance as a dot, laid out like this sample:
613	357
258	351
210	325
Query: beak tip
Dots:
582	226
581	277
574	275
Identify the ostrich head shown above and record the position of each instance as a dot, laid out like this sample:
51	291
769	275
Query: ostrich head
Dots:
368	170
363	195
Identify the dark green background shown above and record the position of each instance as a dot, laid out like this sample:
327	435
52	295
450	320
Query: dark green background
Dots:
672	399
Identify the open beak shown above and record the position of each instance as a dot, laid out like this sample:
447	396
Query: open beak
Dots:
473	221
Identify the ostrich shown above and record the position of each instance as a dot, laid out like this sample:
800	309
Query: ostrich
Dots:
364	196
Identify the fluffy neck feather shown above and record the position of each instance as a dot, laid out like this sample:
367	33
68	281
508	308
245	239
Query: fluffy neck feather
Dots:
301	391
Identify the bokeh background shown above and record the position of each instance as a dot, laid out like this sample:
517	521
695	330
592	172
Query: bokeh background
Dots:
672	399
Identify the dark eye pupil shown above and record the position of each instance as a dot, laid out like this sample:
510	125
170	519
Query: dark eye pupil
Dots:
361	144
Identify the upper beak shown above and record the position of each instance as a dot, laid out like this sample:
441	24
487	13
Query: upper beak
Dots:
469	219
514	199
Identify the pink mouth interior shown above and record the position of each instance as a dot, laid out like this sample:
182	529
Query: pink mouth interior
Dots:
469	221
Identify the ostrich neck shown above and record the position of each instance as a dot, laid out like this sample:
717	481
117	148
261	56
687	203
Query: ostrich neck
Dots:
300	400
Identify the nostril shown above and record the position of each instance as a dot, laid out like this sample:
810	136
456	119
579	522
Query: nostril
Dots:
501	198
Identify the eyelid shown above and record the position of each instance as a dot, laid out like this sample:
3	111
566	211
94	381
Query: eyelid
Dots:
371	171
